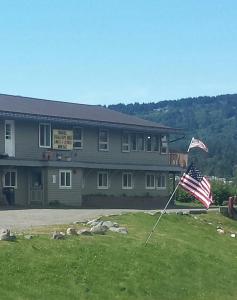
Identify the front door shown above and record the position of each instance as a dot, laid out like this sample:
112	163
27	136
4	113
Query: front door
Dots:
10	137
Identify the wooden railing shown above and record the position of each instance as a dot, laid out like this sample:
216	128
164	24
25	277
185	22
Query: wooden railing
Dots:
179	159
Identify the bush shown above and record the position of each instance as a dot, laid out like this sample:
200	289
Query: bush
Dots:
221	192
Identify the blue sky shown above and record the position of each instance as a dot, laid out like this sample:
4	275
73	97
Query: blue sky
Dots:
107	51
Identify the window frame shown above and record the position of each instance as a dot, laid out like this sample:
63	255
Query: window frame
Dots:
102	187
50	135
76	140
4	179
65	171
124	144
132	181
164	141
102	142
161	187
154	181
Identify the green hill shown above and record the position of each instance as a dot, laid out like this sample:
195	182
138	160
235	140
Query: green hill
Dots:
211	119
185	259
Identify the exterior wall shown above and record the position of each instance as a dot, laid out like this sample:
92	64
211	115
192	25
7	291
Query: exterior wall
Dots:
27	146
21	191
67	196
115	196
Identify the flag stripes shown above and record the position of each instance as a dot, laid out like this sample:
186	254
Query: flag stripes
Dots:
197	185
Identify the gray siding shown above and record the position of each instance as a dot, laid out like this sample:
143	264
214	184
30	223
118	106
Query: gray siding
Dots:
27	147
115	185
68	196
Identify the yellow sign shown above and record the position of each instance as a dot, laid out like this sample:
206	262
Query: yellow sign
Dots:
62	139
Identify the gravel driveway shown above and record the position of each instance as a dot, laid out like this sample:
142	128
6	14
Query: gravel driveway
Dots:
25	218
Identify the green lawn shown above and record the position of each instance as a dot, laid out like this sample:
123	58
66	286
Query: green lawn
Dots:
185	259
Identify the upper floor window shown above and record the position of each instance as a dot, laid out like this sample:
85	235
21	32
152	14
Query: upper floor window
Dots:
125	142
103	140
150	181
102	180
10	179
164	144
161	181
137	142
127	181
65	178
77	138
45	135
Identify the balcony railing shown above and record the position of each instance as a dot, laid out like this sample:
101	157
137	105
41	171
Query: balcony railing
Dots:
179	159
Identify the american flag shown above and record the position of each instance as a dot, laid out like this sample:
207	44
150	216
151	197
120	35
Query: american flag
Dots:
195	143
197	185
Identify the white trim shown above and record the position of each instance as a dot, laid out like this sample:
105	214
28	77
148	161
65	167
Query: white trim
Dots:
150	187
10	143
81	140
50	135
161	187
125	144
59	180
103	187
132	184
103	143
11	171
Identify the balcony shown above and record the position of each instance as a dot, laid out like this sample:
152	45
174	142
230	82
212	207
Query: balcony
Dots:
178	159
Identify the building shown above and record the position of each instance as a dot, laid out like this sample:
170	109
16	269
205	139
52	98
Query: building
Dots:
55	153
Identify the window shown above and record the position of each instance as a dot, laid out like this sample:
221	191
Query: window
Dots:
103	140
125	142
8	131
102	180
127	181
155	143
65	179
164	144
148	142
140	142
45	135
150	181
133	142
10	179
161	181
77	138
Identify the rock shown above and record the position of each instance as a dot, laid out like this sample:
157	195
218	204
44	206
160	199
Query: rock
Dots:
108	224
233	235
5	234
186	213
58	235
71	231
84	232
81	222
220	231
209	223
93	222
179	213
28	237
122	230
99	229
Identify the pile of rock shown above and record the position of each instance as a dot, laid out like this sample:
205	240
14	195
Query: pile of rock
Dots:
96	227
6	235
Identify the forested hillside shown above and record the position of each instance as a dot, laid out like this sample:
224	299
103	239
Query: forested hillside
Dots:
211	119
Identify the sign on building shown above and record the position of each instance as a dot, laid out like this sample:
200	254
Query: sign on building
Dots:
62	139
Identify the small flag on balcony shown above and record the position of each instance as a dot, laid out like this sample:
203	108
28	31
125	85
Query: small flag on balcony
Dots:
197	185
197	144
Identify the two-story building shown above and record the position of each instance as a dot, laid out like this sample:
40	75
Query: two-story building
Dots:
55	152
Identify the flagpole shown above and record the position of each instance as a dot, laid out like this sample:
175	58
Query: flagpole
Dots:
160	216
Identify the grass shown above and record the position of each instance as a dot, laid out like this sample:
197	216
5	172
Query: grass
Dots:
185	259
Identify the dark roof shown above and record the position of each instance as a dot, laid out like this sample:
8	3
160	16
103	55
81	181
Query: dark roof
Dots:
66	110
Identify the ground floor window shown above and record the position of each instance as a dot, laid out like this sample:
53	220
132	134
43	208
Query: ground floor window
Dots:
127	181
102	180
161	181
10	179
65	179
150	181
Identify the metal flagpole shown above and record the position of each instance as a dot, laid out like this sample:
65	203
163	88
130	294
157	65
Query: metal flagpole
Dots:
163	211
